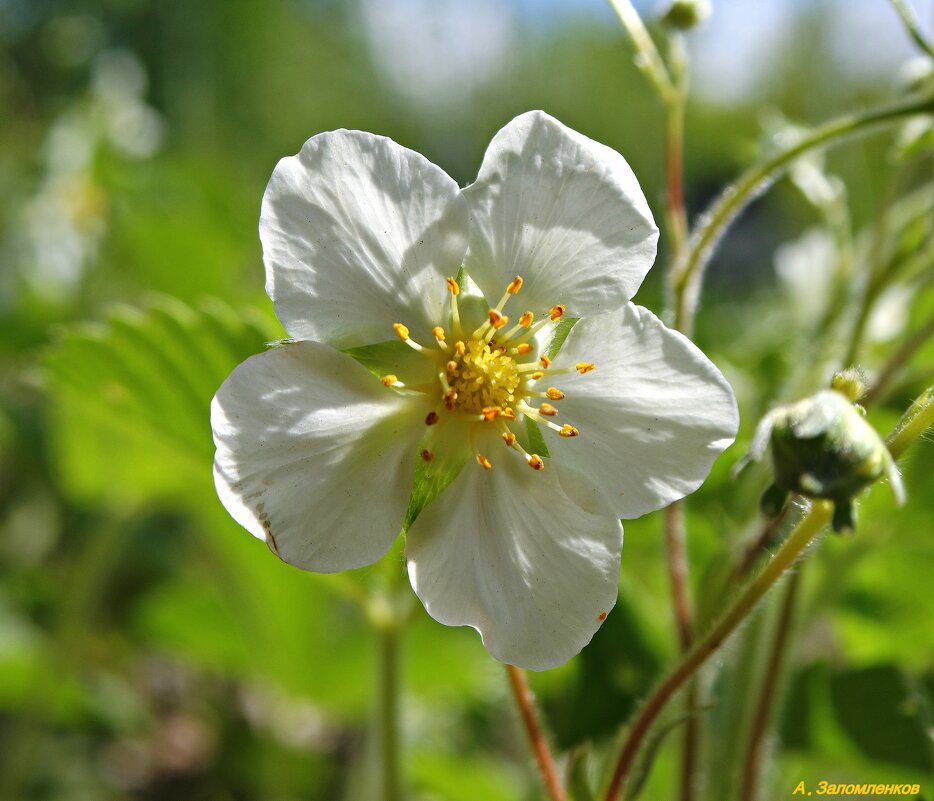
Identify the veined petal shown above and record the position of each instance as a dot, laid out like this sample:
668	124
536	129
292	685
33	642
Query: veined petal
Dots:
653	416
359	233
507	552
315	456
564	212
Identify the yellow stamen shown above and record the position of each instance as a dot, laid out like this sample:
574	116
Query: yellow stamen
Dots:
438	333
509	438
497	320
553	393
585	367
453	287
401	331
522	349
431	419
515	285
536	375
460	347
544	361
490	413
526	319
388	380
509	413
568	431
548	410
484	462
557	312
427	455
535	462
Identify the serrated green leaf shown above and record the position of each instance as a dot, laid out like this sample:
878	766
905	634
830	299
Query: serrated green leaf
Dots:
131	396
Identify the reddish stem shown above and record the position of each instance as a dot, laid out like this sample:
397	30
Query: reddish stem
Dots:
526	704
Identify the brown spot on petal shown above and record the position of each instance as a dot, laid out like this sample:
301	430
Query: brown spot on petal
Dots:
601	617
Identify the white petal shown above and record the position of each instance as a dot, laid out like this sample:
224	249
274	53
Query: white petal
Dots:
507	552
564	212
653	415
315	456
359	233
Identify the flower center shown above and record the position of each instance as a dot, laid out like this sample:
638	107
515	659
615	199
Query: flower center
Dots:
491	375
485	377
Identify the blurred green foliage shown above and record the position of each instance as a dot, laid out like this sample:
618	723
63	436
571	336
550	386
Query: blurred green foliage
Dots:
149	648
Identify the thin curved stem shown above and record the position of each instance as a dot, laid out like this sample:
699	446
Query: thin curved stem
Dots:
690	269
524	701
911	25
648	59
763	714
898	360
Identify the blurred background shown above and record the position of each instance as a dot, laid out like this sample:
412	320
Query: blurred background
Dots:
151	649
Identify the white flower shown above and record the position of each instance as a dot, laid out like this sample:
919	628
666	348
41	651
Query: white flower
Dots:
316	455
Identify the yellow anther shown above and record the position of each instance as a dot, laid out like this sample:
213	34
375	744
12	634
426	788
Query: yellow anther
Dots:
544	361
536	375
427	455
557	312
497	320
585	367
460	347
526	319
568	431
490	413
548	410
523	349
388	380
509	413
453	287
509	438
401	331
515	285
500	322
431	419
449	398
438	333
554	393
485	463
451	366
535	462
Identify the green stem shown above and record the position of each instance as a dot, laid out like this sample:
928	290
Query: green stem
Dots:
648	59
767	695
808	528
915	421
911	25
690	269
388	711
918	418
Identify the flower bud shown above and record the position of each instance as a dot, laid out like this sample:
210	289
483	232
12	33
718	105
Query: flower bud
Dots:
683	15
823	447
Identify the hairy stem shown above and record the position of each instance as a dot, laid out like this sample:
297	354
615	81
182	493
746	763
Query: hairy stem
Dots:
763	714
808	528
690	269
915	421
524	701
